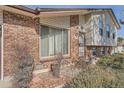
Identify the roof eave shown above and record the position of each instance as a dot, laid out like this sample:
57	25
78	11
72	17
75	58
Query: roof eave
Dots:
23	8
118	25
38	11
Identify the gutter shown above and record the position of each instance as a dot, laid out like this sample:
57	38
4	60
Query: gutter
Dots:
23	8
115	18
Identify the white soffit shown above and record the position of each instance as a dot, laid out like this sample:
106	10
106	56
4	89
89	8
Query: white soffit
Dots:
63	13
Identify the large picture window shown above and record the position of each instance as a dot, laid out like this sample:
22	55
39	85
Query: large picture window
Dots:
53	41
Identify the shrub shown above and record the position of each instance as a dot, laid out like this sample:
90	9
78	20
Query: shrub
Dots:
55	68
107	73
115	61
81	63
23	67
105	60
94	77
118	57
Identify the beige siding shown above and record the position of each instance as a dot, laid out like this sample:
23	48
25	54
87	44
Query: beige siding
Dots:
94	37
81	19
60	21
89	30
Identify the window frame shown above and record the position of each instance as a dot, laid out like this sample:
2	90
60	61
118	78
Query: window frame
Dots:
101	31
100	22
108	31
53	56
108	24
113	36
113	33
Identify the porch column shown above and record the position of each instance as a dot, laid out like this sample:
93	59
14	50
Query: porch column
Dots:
74	34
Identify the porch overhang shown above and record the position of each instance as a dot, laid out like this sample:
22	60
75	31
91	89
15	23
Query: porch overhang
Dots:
63	13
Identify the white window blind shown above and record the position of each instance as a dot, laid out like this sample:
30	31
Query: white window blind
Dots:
53	41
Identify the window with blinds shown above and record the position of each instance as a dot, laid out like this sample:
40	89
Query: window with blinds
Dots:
53	41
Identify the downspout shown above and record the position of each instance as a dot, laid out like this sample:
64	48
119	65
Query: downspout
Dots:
2	49
2	63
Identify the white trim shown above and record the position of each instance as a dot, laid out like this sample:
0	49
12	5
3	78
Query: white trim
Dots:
69	42
40	42
68	11
2	64
47	57
52	57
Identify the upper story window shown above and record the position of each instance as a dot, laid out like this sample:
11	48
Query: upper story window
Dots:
108	30
107	21
100	25
100	22
113	32
53	41
113	35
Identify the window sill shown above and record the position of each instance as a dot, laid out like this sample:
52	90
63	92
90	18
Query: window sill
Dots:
52	58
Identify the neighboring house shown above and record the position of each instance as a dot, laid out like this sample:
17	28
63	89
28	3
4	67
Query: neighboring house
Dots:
47	32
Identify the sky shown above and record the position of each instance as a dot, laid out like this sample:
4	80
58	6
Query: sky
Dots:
116	8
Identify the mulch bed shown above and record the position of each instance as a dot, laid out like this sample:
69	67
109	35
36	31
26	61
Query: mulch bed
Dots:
47	80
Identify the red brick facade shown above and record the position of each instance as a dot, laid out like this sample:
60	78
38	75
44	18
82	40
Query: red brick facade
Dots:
74	22
19	29
25	30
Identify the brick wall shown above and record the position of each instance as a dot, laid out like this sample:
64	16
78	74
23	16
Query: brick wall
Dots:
74	22
74	44
19	29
